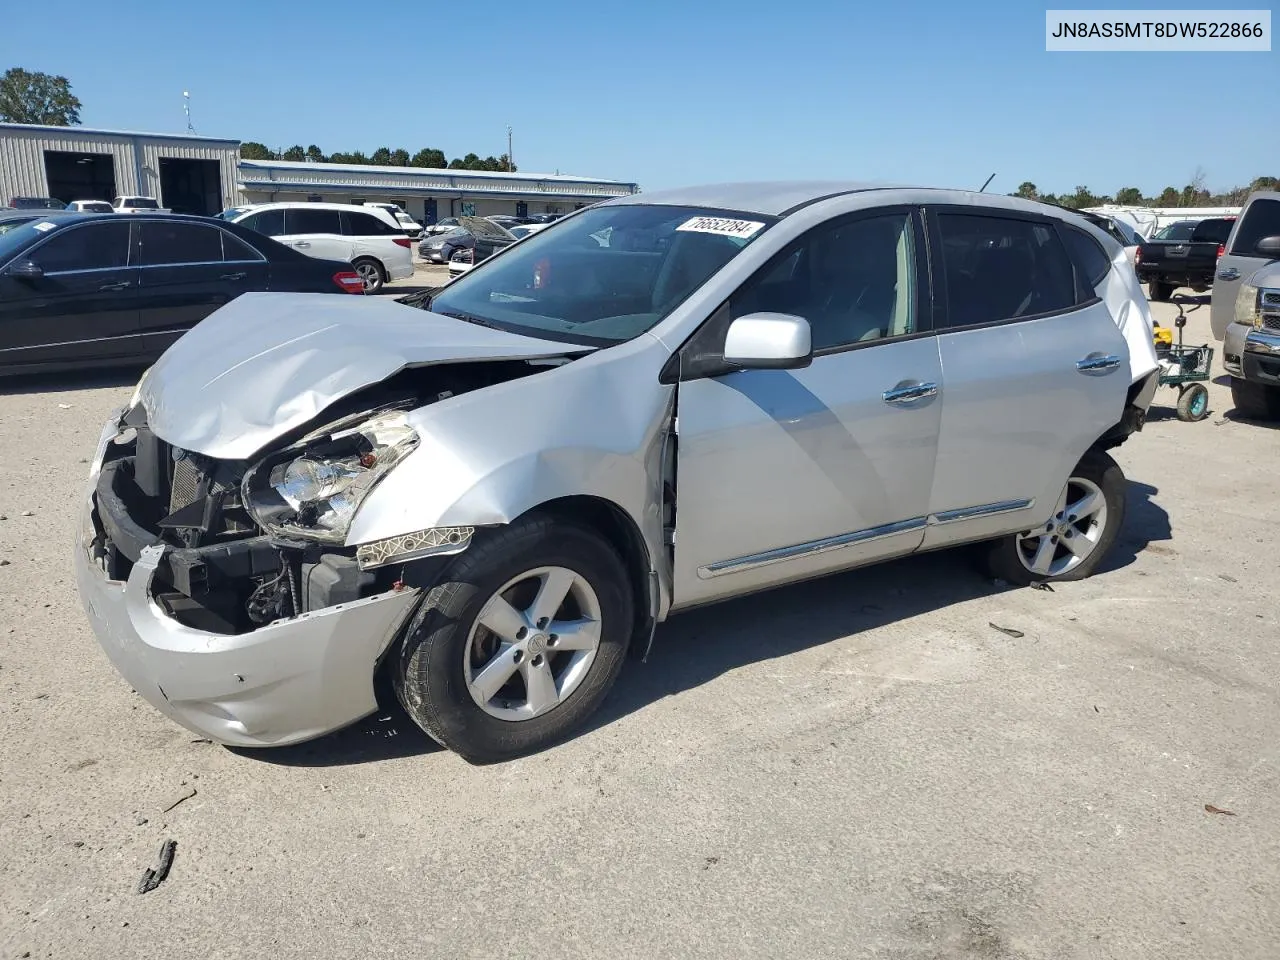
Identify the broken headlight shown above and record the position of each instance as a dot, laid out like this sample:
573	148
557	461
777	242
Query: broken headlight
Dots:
313	492
1247	311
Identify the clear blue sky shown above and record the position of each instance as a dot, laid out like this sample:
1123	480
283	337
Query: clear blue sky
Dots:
667	93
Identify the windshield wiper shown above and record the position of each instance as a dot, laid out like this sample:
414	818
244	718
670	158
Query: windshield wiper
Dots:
470	318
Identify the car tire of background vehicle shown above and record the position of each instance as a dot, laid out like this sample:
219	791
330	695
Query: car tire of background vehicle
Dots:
1255	401
1160	291
502	581
1089	512
1193	402
371	273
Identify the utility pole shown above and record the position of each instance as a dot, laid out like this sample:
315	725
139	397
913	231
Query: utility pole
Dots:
186	106
510	162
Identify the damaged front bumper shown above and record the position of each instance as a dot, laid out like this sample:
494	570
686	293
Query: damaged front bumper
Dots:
291	680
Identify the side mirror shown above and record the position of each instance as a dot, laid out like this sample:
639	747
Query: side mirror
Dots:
1269	246
26	269
769	341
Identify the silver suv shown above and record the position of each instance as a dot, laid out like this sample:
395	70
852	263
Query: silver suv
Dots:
496	492
1246	307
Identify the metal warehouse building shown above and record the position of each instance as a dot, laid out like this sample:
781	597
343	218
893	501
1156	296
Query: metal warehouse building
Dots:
202	175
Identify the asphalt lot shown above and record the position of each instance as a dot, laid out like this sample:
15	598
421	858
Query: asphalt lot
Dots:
855	767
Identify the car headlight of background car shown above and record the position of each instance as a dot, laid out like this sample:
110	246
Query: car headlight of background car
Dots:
1247	311
313	491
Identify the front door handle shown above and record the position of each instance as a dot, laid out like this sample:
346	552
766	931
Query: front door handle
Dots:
119	285
1231	273
906	392
1098	363
234	276
302	244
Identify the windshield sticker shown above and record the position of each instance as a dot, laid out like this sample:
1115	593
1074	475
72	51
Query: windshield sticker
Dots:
724	226
44	225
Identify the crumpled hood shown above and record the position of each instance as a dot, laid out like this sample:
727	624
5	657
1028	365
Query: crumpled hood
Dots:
267	363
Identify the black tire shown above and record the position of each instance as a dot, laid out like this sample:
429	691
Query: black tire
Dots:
1004	560
371	272
430	678
1160	291
1255	401
1193	402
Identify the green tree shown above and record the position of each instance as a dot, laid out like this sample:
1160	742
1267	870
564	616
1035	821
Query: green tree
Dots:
1129	196
399	158
37	98
314	154
294	153
1265	183
1028	190
381	157
252	150
429	157
1169	197
470	162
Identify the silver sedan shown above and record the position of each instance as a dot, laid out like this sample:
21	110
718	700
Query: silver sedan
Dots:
497	490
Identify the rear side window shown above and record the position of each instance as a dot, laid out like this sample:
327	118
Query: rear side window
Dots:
233	248
172	243
1090	260
305	220
366	225
95	246
1261	219
999	268
269	223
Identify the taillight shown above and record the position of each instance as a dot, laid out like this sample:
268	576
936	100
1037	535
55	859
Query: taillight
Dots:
402	242
1222	248
1137	256
349	281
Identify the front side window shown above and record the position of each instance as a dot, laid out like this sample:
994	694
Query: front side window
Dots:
604	276
300	220
853	281
95	246
269	223
999	268
1262	219
166	242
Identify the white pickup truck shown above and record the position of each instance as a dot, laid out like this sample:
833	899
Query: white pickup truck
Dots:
137	205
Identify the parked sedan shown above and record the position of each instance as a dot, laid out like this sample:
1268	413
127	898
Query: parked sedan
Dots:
87	290
493	499
441	247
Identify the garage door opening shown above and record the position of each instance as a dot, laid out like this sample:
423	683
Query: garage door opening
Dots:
191	186
80	176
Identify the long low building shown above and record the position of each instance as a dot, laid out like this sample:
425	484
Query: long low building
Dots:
190	174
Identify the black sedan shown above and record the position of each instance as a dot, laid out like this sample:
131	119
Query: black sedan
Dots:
86	290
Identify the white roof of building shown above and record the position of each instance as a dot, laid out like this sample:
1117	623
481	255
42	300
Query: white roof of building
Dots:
370	168
77	130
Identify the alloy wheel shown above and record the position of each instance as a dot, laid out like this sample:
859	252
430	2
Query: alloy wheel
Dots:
1071	535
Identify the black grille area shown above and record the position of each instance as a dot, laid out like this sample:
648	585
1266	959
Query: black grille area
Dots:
1271	321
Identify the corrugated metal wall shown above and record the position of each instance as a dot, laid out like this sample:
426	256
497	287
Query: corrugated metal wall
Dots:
136	159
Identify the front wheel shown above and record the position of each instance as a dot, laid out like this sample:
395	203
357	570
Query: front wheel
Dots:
1255	401
1074	540
520	643
371	274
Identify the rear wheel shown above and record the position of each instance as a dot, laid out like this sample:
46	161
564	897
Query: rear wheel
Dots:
1160	291
520	644
1075	539
1193	402
1255	401
371	274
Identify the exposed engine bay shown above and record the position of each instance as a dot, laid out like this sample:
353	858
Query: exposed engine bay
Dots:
257	540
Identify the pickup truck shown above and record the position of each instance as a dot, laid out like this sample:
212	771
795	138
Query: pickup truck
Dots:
137	205
1183	254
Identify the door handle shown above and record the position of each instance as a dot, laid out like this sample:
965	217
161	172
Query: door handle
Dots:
303	243
1098	363
907	392
234	276
120	285
1231	273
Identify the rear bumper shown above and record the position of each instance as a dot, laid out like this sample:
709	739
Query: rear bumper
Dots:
401	270
1180	276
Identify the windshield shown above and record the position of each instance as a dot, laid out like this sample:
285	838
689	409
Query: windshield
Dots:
603	276
1179	232
17	231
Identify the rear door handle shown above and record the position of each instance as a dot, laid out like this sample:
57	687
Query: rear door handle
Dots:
1098	363
1231	273
303	243
234	276
120	285
906	392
